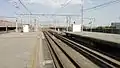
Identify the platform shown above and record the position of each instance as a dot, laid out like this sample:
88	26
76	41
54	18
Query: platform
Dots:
102	36
22	50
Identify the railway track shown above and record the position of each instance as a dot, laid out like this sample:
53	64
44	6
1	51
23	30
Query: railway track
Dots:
107	50
69	54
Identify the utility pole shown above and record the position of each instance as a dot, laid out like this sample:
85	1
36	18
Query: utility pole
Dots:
69	19
92	23
35	25
55	24
67	23
82	15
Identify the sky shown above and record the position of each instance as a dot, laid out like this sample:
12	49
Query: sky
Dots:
103	15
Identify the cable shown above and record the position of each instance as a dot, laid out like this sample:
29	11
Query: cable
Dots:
66	3
24	6
104	4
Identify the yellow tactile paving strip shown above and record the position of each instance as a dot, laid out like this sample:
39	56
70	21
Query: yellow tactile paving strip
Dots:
34	63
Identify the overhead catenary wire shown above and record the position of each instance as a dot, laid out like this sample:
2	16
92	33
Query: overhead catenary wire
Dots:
66	3
25	7
95	7
102	5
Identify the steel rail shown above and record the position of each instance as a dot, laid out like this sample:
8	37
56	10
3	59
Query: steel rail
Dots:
104	61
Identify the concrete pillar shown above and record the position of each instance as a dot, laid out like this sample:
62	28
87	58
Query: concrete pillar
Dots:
6	28
16	26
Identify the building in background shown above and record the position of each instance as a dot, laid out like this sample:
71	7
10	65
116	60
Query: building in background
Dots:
116	25
75	28
26	27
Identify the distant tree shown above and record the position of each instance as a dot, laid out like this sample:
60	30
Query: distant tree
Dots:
107	27
99	27
112	27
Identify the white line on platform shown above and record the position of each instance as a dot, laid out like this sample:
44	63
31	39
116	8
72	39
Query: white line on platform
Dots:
47	62
43	37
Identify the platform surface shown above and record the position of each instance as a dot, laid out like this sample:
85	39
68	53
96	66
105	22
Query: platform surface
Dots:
102	36
16	49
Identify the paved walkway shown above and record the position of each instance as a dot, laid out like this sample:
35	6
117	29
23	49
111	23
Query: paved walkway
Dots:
16	49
